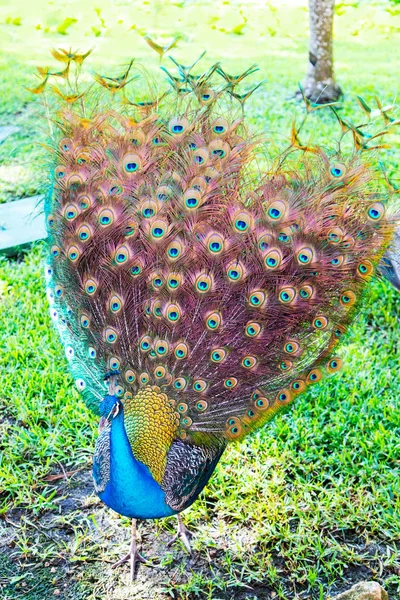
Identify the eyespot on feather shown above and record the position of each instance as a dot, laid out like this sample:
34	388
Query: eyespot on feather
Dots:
157	281
285	365
252	329
75	179
148	209
66	145
110	335
284	396
137	138
249	362
334	364
273	259
175	250
265	241
144	378
287	295
306	292
115	304
181	350
82	156
337	171
213	320
291	347
162	347
230	383
106	217
130	376
159	229
178	126
207	96
337	261
257	298
164	193
172	312
73	253
298	386
84	201
121	255
84	233
261	403
145	343
71	212
348	298
305	255
235	272
233	428
114	363
160	372
220	127
192	199
136	269
180	383
174	281
335	235
130	228
85	321
91	286
320	322
203	283
215	244
314	376
60	172
276	211
157	309
375	212
199	385
242	222
186	422
132	163
200	157
201	405
365	269
218	355
218	150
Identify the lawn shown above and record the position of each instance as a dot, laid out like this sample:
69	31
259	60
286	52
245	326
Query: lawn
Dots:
299	510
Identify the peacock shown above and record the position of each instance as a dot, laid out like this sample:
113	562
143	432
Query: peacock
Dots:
197	288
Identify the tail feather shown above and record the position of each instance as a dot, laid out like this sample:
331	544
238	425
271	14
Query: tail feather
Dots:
175	263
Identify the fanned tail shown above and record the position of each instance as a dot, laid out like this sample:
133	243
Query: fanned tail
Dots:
176	265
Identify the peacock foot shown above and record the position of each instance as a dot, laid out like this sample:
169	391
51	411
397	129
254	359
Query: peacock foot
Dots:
133	556
183	533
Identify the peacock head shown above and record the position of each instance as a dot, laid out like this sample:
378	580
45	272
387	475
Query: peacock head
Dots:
110	407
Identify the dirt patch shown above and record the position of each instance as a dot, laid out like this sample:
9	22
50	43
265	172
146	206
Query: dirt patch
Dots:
67	553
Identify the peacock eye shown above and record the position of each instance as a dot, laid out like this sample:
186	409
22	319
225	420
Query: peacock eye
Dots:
80	384
336	171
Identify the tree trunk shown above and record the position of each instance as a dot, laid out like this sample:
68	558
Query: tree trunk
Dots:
320	85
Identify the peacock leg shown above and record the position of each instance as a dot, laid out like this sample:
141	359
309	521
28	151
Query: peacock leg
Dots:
182	533
133	555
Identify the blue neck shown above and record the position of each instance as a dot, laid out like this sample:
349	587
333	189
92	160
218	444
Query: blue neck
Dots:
131	490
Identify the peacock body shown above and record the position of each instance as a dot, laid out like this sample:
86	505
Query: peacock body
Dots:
196	296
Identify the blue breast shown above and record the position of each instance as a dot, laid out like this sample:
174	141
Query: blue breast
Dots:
131	490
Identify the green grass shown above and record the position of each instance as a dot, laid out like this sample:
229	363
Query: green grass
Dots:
300	508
